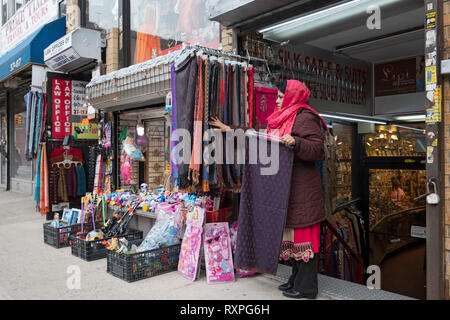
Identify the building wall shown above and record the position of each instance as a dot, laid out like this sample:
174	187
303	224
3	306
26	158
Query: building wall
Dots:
446	79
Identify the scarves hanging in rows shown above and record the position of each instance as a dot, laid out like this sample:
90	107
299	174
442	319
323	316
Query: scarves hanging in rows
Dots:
173	165
194	166
280	123
208	89
35	122
99	175
44	189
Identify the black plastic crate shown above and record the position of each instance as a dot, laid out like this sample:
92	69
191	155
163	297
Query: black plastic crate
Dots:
95	250
60	237
137	266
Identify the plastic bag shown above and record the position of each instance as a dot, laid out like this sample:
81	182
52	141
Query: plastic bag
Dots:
166	231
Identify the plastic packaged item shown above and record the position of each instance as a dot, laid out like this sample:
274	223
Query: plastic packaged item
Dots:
166	231
218	258
189	260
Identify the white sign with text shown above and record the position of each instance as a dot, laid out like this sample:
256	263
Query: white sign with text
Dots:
25	21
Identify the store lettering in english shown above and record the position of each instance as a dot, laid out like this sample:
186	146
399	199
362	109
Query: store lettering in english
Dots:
345	85
62	108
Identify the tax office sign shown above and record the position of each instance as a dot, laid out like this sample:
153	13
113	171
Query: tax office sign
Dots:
67	101
331	79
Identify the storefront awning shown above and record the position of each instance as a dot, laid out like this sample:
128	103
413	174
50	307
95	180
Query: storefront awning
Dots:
31	50
136	86
250	15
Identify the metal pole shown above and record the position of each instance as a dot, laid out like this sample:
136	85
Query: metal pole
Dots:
435	139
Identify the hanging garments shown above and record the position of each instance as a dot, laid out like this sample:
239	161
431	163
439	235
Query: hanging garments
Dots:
250	96
27	98
44	188
197	137
185	82
37	189
266	103
173	164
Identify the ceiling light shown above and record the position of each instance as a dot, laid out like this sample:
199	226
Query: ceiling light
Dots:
417	117
394	137
329	15
351	119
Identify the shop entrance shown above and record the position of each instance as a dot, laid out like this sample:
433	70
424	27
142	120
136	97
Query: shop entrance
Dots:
369	84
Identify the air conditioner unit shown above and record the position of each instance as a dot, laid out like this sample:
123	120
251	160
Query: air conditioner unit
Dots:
74	51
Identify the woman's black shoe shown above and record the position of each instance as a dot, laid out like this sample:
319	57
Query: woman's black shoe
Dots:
291	293
286	286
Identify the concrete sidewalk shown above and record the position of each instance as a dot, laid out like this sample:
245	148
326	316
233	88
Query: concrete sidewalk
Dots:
31	269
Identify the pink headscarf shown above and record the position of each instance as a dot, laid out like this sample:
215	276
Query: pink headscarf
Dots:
281	121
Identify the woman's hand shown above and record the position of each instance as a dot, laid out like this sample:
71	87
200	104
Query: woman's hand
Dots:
288	140
219	124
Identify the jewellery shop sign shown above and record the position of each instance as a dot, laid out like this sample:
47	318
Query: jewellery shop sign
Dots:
331	79
68	109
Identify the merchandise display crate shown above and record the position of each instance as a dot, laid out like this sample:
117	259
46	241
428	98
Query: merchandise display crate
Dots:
137	266
60	237
95	250
217	216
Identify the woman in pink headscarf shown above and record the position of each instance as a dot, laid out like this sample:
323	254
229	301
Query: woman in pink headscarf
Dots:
301	127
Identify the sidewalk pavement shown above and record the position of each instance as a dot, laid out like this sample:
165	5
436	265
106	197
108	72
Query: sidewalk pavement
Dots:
31	269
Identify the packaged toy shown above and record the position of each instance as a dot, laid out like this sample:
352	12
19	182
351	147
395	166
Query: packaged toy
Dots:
189	260
218	258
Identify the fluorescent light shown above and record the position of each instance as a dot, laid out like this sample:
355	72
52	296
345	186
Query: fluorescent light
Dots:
352	119
328	15
417	117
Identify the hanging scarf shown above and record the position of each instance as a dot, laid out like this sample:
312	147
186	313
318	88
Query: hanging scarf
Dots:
36	135
62	186
44	192
37	189
206	115
174	166
27	98
81	181
198	126
250	96
280	123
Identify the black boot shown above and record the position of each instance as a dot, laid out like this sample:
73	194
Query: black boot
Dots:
297	295
290	284
306	283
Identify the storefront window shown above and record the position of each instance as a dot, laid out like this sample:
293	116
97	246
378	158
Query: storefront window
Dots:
394	141
103	14
21	168
343	136
157	25
4	11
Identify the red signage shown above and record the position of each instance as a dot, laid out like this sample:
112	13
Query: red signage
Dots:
62	108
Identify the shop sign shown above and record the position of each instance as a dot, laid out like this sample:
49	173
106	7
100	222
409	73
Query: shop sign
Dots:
60	53
90	134
399	77
67	100
328	78
431	20
431	78
25	21
434	114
